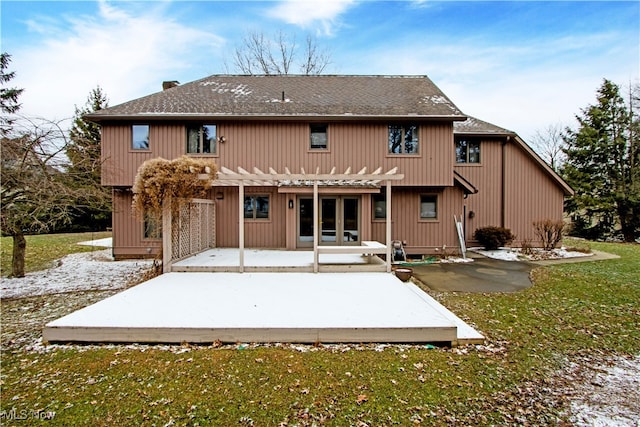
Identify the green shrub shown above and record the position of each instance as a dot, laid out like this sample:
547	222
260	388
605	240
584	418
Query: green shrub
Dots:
493	237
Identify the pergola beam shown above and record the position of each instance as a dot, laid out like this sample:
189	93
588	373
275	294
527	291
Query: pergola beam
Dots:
241	178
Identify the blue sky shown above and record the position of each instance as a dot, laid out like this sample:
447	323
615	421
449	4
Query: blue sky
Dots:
520	65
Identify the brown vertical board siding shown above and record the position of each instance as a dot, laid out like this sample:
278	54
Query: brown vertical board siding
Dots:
286	144
422	236
279	145
269	233
120	164
531	195
128	231
487	178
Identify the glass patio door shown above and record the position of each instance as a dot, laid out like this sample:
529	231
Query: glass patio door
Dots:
339	221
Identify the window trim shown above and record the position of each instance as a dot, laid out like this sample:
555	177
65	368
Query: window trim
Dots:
200	127
437	202
132	147
313	149
255	218
382	197
469	140
404	127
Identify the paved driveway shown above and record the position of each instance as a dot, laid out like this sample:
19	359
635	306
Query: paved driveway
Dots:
488	275
481	275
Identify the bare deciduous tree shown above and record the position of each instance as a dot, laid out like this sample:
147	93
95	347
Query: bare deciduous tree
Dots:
34	192
259	54
549	143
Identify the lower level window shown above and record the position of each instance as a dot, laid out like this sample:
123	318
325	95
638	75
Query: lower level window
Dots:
428	207
256	207
379	206
152	227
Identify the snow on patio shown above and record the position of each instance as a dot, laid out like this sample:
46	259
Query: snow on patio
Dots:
266	307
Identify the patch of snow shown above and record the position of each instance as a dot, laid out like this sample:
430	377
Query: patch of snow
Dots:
100	243
609	397
455	260
76	272
504	254
516	254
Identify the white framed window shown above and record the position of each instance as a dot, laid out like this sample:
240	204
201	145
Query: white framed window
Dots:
140	137
403	139
201	139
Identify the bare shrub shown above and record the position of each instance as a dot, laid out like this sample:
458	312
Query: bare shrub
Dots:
549	232
527	247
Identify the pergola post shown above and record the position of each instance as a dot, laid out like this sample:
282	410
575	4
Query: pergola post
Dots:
388	226
241	224
316	221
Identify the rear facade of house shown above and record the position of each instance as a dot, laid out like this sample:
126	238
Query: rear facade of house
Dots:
453	165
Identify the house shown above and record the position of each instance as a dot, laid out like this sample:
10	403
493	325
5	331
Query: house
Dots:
450	164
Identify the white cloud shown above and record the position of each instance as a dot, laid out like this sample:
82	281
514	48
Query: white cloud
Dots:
305	13
127	52
520	87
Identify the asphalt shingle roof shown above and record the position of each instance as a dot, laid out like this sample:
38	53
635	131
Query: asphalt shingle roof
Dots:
473	126
331	96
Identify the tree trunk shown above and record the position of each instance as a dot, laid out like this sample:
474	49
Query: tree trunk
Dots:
627	223
19	249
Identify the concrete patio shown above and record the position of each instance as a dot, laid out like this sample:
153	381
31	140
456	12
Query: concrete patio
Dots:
266	307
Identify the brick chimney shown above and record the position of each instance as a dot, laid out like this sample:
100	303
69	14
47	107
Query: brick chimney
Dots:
169	84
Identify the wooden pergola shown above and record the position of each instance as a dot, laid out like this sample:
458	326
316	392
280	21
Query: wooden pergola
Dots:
348	179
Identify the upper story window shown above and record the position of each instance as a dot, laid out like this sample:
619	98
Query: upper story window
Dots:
319	139
201	139
140	137
403	139
256	207
467	151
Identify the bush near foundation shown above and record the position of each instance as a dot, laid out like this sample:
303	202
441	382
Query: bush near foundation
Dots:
550	232
493	237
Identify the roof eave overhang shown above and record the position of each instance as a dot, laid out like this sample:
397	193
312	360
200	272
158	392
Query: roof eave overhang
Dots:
466	186
100	118
484	134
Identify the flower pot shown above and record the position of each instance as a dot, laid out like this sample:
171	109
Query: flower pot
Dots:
404	274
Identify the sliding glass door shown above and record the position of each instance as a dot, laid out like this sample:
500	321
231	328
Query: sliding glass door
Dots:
339	220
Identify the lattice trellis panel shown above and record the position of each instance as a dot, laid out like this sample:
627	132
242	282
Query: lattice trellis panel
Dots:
193	228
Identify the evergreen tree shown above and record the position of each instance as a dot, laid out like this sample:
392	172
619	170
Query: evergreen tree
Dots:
8	96
602	166
93	208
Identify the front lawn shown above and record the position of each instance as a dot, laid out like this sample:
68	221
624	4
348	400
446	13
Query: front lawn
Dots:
44	249
582	313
